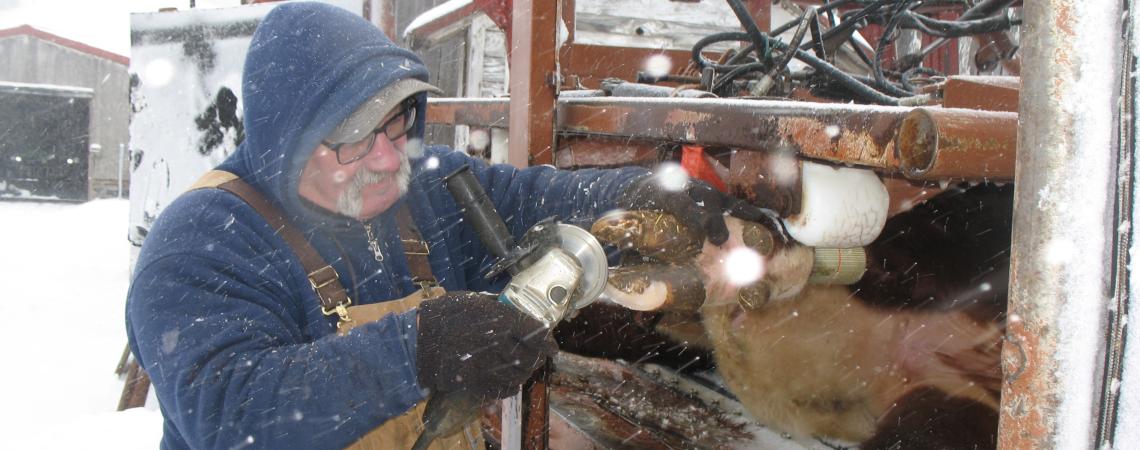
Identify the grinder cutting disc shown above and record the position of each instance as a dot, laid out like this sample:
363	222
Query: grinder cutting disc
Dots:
586	248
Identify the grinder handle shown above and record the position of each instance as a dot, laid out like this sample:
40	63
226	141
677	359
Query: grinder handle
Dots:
480	212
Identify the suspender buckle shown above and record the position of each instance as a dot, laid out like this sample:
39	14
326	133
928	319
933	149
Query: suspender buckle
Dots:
415	247
321	278
425	286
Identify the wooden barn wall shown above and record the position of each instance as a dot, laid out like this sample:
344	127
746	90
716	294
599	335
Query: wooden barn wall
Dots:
33	60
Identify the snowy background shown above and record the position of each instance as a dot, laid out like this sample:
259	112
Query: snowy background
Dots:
104	23
61	323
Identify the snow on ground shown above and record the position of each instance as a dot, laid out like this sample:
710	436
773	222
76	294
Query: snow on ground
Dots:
64	272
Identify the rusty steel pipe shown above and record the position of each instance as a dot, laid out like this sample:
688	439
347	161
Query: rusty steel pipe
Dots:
938	144
986	93
1063	225
851	134
843	133
577	153
941	143
964	144
477	112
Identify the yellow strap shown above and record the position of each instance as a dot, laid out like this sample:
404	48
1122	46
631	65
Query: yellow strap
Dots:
213	178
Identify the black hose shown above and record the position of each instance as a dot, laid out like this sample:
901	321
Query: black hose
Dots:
817	42
826	7
740	56
715	38
762	45
859	51
850	20
954	28
797	39
975	20
985	8
836	29
860	89
742	69
759	40
909	75
877	66
869	80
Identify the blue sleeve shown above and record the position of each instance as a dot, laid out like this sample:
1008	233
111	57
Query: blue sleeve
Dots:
221	329
525	196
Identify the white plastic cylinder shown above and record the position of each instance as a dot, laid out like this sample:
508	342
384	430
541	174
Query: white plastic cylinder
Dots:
842	207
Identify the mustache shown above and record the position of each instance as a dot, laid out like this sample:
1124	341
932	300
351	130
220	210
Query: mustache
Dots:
365	177
351	200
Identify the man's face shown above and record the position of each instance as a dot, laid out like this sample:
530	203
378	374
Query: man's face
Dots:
361	189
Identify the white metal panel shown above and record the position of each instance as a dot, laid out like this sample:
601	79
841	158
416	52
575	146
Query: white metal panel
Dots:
174	86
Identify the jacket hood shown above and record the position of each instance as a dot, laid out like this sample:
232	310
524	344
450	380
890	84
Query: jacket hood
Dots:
309	66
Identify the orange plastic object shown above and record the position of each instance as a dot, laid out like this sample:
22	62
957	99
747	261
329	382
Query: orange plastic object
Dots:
696	163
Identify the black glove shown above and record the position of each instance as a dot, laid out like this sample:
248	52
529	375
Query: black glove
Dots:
471	342
699	206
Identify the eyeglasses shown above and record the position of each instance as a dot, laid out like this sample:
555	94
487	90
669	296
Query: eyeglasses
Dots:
394	129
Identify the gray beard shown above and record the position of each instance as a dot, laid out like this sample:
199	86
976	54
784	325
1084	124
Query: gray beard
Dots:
351	201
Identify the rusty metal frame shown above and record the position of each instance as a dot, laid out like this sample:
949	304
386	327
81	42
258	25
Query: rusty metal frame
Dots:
386	17
761	11
985	93
476	112
861	135
1063	226
586	65
940	144
534	80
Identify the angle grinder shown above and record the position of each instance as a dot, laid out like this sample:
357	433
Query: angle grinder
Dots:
556	269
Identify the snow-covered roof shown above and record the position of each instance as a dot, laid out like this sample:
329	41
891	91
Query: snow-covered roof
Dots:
28	30
47	89
437	13
210	17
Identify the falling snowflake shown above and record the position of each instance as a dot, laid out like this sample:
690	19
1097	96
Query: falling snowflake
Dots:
159	72
414	148
658	65
480	140
671	176
743	266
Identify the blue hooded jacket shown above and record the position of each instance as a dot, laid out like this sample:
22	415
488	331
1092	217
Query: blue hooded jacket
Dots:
220	313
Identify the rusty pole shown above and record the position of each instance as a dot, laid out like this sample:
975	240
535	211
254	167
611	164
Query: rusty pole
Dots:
1062	225
761	12
384	16
533	72
533	89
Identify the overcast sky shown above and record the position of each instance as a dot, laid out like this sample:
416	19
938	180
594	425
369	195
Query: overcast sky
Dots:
100	23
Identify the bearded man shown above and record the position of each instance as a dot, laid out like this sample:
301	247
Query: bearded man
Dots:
243	305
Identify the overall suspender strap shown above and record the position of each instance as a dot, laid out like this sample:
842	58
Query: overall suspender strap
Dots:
334	300
416	251
322	276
